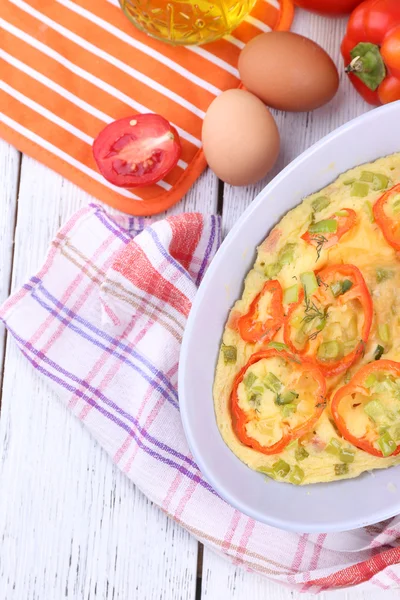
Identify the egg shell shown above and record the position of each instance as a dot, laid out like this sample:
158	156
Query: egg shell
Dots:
240	138
288	71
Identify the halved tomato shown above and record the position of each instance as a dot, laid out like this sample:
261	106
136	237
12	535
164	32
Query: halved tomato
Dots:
137	151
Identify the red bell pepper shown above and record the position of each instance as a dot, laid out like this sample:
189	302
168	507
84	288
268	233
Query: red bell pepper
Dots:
241	418
338	286
253	330
320	236
389	224
328	7
374	379
371	50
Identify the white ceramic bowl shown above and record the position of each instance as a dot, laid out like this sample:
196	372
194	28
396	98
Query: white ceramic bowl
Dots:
336	506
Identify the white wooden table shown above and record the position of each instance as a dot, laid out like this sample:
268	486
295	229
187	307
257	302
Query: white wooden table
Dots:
71	525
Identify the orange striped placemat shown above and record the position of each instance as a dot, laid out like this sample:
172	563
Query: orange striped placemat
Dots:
67	68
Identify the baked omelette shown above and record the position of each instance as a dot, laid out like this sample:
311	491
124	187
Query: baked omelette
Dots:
307	385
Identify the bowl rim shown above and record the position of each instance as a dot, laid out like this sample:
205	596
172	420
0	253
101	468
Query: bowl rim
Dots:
346	524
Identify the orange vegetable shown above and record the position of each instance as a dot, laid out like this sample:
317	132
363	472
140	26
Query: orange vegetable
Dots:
390	227
240	418
251	328
344	224
317	309
358	385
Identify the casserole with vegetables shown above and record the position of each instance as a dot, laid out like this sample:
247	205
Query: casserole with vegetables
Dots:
307	385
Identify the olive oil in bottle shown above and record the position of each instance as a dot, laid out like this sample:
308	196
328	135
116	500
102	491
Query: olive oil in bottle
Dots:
184	22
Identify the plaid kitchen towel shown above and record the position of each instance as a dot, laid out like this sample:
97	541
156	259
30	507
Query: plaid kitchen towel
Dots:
102	320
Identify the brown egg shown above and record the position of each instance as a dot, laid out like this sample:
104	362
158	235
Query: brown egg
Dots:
240	138
288	71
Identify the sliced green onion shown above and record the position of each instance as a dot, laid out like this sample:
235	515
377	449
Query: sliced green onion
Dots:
281	468
346	285
369	211
307	326
348	181
296	475
346	455
309	282
341	469
267	471
316	324
286	254
230	354
333	447
249	380
384	332
301	453
379	350
387	444
273	383
291	294
367	176
286	398
360	190
374	409
258	389
320	203
325	226
272	270
320	323
288	409
336	288
278	346
380	182
330	350
255	400
370	380
384	386
341	287
383	274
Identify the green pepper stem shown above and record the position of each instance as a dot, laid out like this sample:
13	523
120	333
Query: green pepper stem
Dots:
367	64
355	66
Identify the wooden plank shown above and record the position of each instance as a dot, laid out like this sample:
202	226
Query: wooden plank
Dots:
70	523
9	177
298	132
